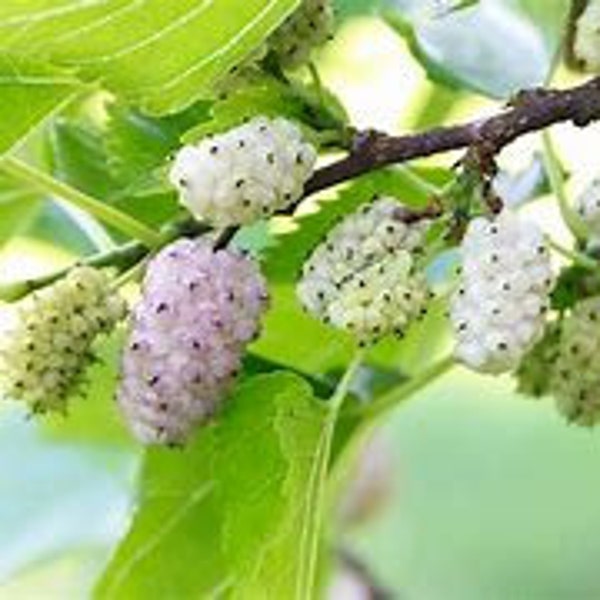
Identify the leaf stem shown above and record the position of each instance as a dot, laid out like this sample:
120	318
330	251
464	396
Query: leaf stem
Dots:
391	399
317	487
102	211
557	183
577	258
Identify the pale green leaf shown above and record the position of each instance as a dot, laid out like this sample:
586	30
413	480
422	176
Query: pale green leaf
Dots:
209	514
28	93
162	55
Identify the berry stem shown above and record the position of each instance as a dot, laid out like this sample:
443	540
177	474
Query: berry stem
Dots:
122	258
317	487
102	211
557	183
129	275
577	258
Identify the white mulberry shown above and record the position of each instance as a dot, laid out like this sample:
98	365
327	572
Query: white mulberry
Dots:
576	380
309	26
198	310
45	351
588	207
498	312
587	37
362	278
244	174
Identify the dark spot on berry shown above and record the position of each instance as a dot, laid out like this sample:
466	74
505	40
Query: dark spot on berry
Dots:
502	346
162	307
214	149
239	183
163	407
153	380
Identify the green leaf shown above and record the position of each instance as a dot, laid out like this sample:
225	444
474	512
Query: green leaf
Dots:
262	94
210	515
29	92
18	207
159	54
511	44
137	144
78	155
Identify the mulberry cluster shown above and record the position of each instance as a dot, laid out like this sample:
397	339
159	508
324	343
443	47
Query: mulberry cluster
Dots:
198	310
588	207
244	174
498	312
45	351
534	374
362	278
309	26
576	380
587	37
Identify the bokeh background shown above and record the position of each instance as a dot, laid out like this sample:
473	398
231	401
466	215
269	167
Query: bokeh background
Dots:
494	496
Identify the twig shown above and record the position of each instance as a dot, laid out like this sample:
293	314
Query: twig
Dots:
530	111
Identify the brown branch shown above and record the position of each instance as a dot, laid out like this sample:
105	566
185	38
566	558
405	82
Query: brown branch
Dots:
529	111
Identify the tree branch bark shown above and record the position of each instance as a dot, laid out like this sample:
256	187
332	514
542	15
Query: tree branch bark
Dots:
529	111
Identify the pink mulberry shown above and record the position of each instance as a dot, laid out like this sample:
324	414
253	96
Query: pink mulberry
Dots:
198	310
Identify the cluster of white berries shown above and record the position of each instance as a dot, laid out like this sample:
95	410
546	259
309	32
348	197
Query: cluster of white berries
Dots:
576	373
498	312
198	310
45	350
587	37
244	174
588	207
362	278
309	26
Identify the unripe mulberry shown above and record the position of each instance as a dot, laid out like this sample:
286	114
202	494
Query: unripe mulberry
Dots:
44	353
588	208
576	380
498	312
534	374
245	174
362	278
587	37
199	308
309	26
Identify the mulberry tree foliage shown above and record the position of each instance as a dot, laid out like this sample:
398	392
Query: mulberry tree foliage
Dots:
250	272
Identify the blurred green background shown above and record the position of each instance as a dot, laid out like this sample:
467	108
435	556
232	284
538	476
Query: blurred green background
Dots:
494	496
